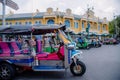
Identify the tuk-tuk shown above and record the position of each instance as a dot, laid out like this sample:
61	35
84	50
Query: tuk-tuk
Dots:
14	59
83	43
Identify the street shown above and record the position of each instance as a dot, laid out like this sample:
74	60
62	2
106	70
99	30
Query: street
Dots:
101	64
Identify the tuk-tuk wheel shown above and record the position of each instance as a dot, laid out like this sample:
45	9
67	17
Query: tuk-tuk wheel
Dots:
78	70
7	72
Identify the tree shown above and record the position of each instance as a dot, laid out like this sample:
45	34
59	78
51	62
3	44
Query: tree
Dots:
113	25
118	21
0	23
118	25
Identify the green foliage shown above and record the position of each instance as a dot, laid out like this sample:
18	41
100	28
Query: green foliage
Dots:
118	21
0	23
112	25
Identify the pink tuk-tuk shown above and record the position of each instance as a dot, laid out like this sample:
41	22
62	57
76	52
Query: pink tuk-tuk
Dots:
15	59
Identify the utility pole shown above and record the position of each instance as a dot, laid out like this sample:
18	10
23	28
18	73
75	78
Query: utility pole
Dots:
115	25
87	28
3	16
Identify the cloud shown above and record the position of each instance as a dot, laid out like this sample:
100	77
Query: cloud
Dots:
102	8
105	8
79	11
109	9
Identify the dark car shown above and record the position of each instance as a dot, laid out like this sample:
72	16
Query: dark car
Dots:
113	41
110	41
106	41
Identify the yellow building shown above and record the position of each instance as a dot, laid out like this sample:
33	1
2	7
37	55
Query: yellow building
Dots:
77	23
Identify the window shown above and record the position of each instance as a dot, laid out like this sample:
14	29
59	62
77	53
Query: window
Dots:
76	24
18	23
98	26
67	23
88	25
50	21
104	28
37	22
82	25
28	23
10	23
7	23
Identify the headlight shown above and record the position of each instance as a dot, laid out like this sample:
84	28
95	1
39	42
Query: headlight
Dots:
71	46
79	51
77	55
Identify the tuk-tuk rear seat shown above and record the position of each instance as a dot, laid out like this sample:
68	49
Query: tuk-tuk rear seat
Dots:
17	49
4	49
10	49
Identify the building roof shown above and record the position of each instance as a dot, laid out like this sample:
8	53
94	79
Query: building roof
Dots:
77	17
33	15
24	15
41	14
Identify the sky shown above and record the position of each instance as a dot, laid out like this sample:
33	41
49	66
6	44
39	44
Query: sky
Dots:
102	8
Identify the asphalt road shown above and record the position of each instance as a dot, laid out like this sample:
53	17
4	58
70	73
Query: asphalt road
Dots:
102	64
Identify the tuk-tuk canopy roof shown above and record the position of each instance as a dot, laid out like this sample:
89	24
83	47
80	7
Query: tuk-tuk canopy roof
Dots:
28	29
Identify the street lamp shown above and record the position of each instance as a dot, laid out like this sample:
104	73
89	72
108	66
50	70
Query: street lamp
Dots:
88	23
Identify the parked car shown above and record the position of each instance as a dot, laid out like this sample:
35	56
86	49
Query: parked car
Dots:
110	41
113	41
106	41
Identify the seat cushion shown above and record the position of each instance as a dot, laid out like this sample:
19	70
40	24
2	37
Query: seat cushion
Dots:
50	57
5	49
42	55
55	55
16	48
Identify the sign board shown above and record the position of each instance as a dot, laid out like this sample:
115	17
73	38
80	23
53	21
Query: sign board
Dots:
11	4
